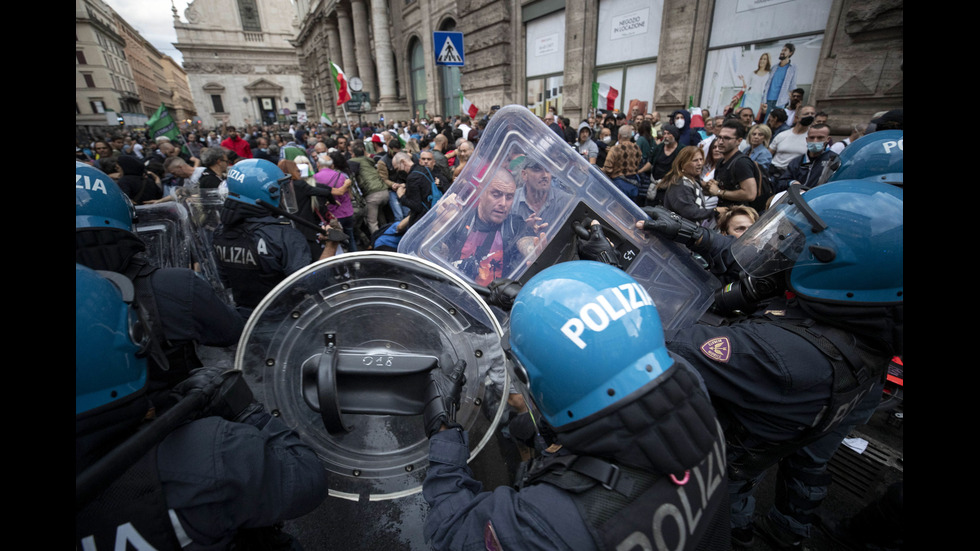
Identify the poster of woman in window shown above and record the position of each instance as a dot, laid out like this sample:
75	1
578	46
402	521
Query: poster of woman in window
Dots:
759	76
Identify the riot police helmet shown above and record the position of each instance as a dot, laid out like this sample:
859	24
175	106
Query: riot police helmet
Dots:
841	242
585	336
99	203
111	342
254	180
877	156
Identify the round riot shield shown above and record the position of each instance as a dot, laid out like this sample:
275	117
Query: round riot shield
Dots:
342	350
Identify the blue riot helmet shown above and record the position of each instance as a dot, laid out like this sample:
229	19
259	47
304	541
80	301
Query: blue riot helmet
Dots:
253	180
110	340
99	203
587	336
877	156
840	243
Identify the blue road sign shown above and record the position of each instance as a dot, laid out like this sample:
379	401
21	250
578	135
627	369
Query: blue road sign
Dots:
448	48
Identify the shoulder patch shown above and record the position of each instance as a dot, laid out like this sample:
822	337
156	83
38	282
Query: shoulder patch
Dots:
718	349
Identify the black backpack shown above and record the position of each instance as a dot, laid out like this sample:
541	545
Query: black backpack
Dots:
764	189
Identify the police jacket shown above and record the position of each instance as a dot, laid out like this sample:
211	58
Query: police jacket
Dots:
202	483
664	477
255	253
183	311
792	371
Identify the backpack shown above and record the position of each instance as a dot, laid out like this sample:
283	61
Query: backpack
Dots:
764	189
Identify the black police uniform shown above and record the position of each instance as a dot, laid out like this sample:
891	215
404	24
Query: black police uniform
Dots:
784	378
649	470
183	310
255	253
203	483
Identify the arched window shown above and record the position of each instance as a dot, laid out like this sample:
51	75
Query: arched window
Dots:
416	56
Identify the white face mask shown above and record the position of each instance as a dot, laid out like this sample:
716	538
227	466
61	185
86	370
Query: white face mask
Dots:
679	123
304	169
607	140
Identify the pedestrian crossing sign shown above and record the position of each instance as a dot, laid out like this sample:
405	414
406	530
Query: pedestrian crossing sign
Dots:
448	48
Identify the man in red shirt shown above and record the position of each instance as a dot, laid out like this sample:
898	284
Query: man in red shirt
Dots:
235	143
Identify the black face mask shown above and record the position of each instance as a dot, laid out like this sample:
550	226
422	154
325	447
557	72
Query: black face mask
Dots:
806	121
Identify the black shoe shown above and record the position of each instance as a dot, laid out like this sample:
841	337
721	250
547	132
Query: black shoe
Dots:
777	536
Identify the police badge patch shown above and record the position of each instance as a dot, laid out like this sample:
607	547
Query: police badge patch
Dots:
718	349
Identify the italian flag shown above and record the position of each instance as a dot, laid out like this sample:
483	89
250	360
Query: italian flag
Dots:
468	106
604	96
340	80
697	119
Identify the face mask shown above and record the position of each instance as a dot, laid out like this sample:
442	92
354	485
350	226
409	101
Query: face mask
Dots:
304	170
806	121
679	123
815	147
607	140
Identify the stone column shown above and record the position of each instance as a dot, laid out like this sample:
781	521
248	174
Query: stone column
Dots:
335	55
384	56
346	41
365	63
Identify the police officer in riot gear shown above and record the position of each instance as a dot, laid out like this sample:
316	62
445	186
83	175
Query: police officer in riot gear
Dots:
639	456
790	380
878	156
255	249
213	471
182	310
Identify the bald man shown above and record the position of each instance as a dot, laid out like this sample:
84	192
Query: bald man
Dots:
491	242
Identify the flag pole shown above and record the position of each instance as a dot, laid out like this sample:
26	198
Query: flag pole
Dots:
346	118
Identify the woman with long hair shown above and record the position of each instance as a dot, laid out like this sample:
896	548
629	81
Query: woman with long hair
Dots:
683	186
756	85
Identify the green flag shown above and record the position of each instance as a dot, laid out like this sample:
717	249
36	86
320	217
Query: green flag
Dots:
162	124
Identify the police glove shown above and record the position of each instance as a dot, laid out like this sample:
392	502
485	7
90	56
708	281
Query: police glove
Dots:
596	246
670	225
228	395
442	397
503	291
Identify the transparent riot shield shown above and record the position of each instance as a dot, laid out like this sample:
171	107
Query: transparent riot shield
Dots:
204	213
341	352
516	152
167	232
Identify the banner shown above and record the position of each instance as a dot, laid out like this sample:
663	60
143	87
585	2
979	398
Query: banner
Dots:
162	124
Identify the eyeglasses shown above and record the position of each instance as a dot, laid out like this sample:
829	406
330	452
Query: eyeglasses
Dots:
726	138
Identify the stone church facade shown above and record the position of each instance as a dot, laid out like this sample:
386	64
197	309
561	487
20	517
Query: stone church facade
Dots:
240	64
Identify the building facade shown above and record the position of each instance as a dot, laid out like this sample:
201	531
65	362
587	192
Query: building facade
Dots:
105	87
181	101
659	55
241	67
119	75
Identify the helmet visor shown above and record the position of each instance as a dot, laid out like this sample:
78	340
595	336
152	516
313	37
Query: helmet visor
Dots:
777	241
